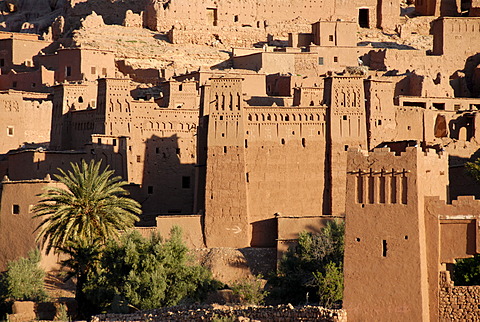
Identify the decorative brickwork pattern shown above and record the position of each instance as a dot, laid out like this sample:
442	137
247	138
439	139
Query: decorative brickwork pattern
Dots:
458	303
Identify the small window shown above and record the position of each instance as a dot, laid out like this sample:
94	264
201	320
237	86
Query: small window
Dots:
177	150
14	84
235	19
384	248
10	130
68	71
456	107
2	62
335	59
180	87
185	182
138	158
104	71
157	150
93	70
16	209
345	117
99	141
379	122
93	103
150	190
34	85
80	99
330	38
114	142
320	60
346	147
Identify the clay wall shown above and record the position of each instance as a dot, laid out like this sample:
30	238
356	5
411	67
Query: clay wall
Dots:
279	182
179	95
345	97
456	37
16	50
23	120
254	84
380	111
38	80
335	33
34	164
226	216
387	193
17	227
192	230
262	14
317	62
84	64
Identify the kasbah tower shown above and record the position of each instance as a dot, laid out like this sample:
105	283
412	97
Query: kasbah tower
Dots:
247	122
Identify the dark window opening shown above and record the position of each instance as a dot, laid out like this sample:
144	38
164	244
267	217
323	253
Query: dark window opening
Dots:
68	71
335	59
80	99
416	104
379	122
363	18
235	19
16	209
186	182
357	239
10	131
247	177
320	60
180	87
138	158
93	70
114	142
2	62
283	141
346	147
345	117
150	190
178	151
406	237
14	84
303	142
157	150
439	106
212	16
330	38
246	144
225	149
456	107
384	248
34	85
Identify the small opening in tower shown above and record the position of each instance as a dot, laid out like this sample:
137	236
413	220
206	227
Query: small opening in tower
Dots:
224	149
384	248
303	142
235	18
406	237
283	141
357	239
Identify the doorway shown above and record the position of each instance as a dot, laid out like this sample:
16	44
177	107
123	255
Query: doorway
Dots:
364	18
212	16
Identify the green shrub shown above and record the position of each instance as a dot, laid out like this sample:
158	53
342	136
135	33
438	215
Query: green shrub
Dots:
24	279
312	265
139	273
250	291
467	271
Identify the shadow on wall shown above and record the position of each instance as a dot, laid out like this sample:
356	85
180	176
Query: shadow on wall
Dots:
168	181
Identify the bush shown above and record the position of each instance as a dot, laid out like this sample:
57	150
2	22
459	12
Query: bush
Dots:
24	279
250	291
313	269
467	271
139	273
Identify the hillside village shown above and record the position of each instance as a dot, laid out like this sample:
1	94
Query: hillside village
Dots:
247	122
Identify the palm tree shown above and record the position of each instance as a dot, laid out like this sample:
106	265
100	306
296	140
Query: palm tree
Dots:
80	217
92	206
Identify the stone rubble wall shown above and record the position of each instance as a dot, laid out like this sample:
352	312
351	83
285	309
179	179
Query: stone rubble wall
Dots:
284	313
458	303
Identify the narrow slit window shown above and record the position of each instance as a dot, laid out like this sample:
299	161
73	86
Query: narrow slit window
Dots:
384	248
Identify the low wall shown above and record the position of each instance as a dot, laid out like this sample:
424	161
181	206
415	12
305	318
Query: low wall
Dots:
282	313
458	303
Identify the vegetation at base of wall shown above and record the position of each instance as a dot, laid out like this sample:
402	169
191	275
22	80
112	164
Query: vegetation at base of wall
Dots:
79	219
250	291
24	280
140	273
466	271
312	270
